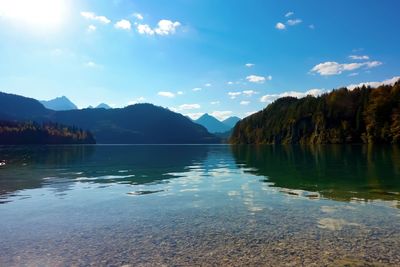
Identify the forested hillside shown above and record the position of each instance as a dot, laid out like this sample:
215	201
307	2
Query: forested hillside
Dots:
362	115
19	133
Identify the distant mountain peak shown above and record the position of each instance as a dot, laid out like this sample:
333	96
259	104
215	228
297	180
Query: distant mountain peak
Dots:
231	121
59	104
103	105
212	124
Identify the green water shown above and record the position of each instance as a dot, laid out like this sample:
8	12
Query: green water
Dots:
199	205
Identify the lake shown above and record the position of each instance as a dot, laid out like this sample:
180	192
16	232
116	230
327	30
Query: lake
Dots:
200	205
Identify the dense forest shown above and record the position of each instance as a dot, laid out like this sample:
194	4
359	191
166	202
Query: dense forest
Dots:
21	133
362	115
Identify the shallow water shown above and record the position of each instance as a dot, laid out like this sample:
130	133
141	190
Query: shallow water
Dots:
200	205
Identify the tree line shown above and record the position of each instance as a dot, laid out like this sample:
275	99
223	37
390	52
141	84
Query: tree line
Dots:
361	115
24	133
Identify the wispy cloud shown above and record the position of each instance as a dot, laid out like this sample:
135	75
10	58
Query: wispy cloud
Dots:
250	113
258	79
244	102
356	57
249	65
138	16
123	24
293	22
194	115
92	16
91	64
375	84
334	68
137	100
289	14
208	85
221	115
271	97
184	107
166	94
197	89
233	95
249	92
91	28
215	102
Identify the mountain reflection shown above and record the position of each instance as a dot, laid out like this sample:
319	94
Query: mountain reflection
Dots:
336	172
58	167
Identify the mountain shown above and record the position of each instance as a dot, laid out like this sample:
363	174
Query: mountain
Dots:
231	121
361	115
15	107
59	103
103	105
212	124
137	124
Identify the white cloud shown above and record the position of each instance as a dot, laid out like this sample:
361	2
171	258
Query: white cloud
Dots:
214	102
91	28
137	100
280	26
93	16
250	113
258	79
179	93
249	92
208	85
293	22
271	97
123	24
316	92
221	115
356	57
145	29
311	26
249	65
166	94
186	107
230	83
166	27
244	102
196	89
233	95
138	16
195	115
375	84
91	64
334	68
289	14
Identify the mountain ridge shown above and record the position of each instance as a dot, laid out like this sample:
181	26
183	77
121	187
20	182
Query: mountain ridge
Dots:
140	123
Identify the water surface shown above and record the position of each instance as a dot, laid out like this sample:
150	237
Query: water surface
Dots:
199	205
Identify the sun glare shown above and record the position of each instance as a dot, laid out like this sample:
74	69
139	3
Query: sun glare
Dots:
38	13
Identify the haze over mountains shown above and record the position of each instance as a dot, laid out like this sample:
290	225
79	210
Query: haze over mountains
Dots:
213	125
59	103
137	124
63	103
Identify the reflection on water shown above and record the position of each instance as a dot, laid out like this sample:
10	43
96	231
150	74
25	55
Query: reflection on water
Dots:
337	172
199	205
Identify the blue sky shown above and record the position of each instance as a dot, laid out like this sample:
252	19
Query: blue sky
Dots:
191	55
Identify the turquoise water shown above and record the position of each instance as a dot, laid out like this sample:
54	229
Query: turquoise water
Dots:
199	205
